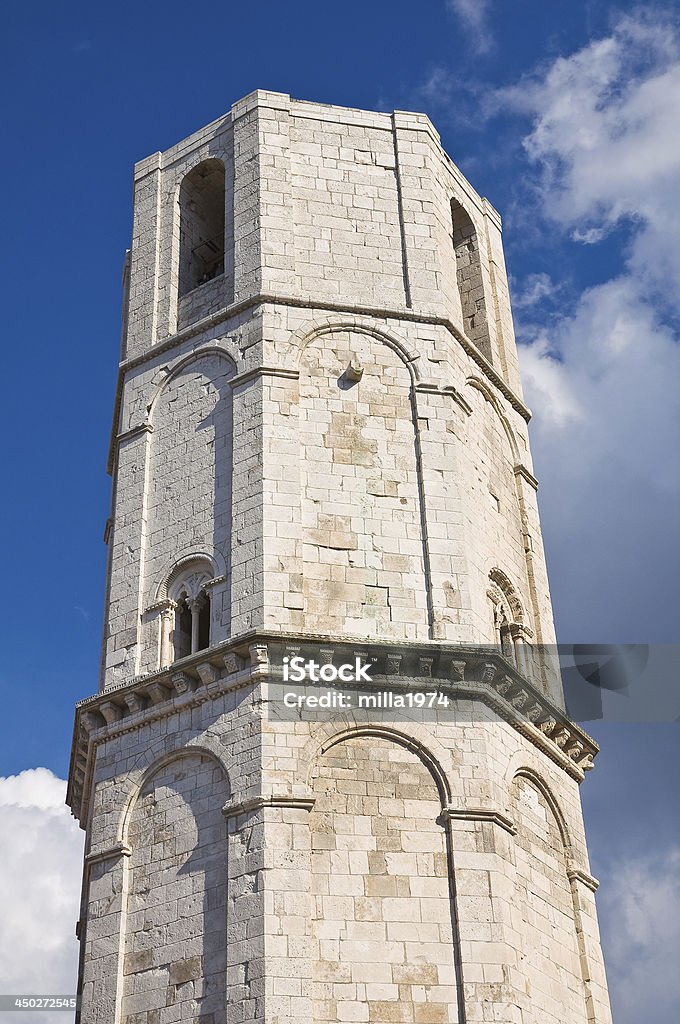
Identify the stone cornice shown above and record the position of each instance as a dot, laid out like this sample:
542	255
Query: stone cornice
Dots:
263	371
577	875
520	470
306	302
461	672
256	803
479	814
98	856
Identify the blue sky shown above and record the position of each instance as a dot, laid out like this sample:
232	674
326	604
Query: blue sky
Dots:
565	115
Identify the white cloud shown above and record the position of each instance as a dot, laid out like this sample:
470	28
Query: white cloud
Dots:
534	289
40	873
639	910
605	134
602	376
474	15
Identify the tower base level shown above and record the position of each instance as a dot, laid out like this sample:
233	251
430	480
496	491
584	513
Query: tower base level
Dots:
246	864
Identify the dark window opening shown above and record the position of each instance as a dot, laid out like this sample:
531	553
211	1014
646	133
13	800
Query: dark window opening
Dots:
182	638
204	624
201	203
469	278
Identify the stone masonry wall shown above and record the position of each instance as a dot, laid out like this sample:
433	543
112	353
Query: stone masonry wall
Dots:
175	921
346	212
382	904
363	551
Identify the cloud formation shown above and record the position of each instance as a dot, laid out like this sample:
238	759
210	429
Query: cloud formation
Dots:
640	922
474	16
600	375
41	850
604	133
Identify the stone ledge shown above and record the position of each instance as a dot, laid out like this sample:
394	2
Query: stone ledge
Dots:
466	673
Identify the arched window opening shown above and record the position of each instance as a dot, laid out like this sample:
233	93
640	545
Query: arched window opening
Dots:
186	620
469	278
510	633
201	203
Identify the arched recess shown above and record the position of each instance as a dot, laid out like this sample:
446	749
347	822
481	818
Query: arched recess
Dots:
497	519
306	335
175	900
189	492
335	735
486	391
201	225
469	278
183	365
364	566
536	780
381	882
542	910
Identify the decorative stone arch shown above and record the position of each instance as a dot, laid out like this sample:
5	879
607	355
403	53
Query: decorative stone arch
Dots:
486	391
183	598
502	585
181	365
305	336
207	747
331	736
511	631
213	564
537	780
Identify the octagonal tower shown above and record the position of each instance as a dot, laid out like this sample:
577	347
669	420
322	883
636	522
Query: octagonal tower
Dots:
320	449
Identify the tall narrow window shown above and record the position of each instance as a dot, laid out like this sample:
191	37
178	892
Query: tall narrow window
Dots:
182	633
469	278
201	202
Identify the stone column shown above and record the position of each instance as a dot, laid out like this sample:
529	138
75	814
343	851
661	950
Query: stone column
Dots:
167	626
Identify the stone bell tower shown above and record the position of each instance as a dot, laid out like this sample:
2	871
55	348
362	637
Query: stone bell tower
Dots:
320	448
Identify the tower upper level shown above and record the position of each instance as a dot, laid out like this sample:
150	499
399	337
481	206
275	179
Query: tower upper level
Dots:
318	425
315	205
